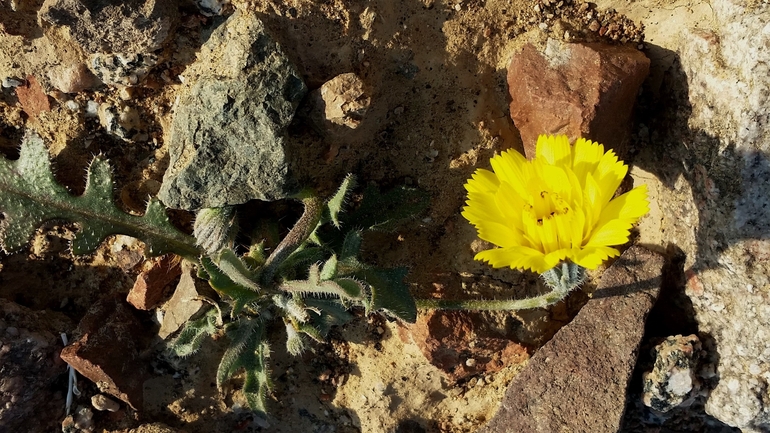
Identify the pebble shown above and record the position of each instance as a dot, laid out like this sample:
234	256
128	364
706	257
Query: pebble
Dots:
470	362
72	106
104	403
9	83
12	331
398	110
92	109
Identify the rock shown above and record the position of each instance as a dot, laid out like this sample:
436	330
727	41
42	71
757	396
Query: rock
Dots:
72	78
183	305
673	380
114	26
107	350
458	343
103	403
211	8
581	90
122	69
152	284
122	121
339	104
32	392
722	221
33	98
121	37
226	140
577	381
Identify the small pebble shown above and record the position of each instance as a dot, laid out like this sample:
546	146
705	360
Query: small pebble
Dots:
92	109
458	7
104	403
543	26
398	110
11	83
72	106
470	362
12	331
380	330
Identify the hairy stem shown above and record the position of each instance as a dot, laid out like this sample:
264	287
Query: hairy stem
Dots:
303	228
544	300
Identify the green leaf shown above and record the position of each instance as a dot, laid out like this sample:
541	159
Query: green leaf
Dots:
389	292
235	269
384	212
29	197
316	286
223	284
329	269
338	200
191	337
245	338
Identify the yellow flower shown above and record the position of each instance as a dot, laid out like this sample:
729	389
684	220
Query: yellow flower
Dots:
558	206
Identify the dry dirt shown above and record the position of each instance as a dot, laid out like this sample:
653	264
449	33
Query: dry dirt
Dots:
436	74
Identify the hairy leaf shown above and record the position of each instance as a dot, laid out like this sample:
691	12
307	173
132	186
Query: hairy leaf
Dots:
351	246
223	284
191	337
245	338
338	200
316	286
232	266
29	196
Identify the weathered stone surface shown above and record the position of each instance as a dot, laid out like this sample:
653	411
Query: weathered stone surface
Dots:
152	285
31	399
674	380
182	305
725	229
103	403
72	78
577	381
107	350
114	26
460	345
33	98
581	90
227	143
339	104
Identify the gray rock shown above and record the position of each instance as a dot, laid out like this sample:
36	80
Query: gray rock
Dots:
577	381
227	143
30	377
673	380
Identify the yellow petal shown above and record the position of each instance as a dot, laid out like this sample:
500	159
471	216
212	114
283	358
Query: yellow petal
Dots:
591	206
482	181
591	258
555	150
510	167
518	258
628	207
499	234
614	232
609	173
586	157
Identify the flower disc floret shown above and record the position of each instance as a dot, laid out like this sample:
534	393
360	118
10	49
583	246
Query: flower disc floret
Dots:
556	207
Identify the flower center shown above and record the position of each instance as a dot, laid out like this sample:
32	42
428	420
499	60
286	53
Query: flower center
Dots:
548	205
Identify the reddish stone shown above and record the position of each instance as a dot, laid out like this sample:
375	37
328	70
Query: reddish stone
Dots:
33	98
459	344
153	285
581	90
107	350
577	381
